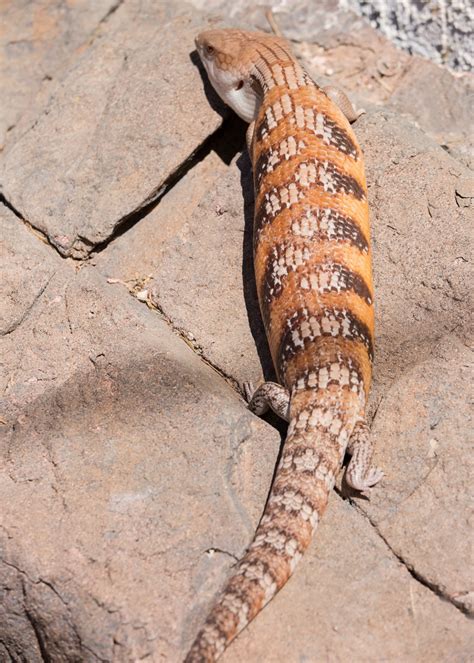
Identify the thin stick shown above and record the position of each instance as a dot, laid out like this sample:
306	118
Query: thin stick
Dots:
273	24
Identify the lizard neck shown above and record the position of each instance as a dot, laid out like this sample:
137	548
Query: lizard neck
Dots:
282	73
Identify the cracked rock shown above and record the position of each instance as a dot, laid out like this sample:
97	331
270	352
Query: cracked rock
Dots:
114	129
26	270
197	248
125	459
423	423
132	473
351	600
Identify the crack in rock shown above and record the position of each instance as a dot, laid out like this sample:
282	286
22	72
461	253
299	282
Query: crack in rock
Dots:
217	142
213	550
440	592
33	229
28	309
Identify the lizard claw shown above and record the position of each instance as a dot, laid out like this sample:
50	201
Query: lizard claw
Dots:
366	483
249	391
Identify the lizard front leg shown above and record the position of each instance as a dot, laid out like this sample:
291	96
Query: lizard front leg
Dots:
339	97
268	395
360	474
341	100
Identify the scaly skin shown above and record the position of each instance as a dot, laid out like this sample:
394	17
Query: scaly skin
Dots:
314	282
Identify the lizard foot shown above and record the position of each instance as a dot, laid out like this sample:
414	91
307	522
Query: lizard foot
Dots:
341	99
360	474
268	395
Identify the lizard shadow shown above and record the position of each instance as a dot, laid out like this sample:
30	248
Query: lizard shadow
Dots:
227	140
248	274
250	293
211	95
226	150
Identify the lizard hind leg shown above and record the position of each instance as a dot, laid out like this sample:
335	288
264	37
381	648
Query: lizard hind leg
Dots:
268	395
360	474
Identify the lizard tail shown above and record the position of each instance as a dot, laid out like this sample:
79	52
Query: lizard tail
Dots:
321	422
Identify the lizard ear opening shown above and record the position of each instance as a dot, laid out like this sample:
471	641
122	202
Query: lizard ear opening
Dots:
239	85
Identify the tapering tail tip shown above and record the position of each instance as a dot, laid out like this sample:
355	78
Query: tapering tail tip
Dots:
279	544
311	457
283	535
249	589
201	652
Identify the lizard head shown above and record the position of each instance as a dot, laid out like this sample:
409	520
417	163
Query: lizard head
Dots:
228	57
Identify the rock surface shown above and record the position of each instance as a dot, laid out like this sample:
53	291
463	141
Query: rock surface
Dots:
37	41
105	143
422	420
435	30
112	504
351	601
132	472
213	300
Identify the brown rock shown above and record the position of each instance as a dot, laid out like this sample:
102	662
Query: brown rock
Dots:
110	495
424	427
36	42
420	235
26	267
29	273
118	125
200	261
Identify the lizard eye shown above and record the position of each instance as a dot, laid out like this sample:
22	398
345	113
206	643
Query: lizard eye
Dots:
210	49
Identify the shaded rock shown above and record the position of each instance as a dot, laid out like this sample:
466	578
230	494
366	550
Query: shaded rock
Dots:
17	635
108	483
114	130
36	42
117	490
